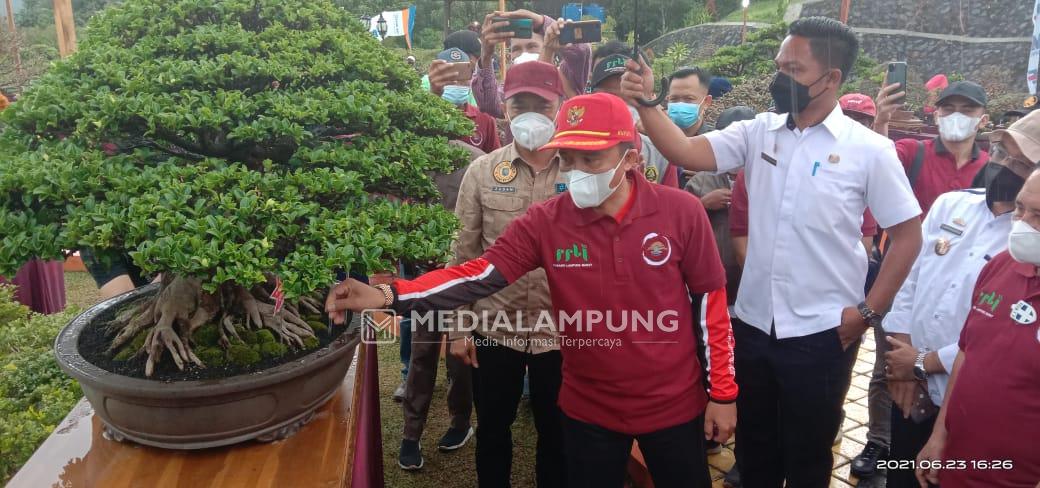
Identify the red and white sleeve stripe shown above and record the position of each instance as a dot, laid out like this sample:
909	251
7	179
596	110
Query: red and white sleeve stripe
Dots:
449	288
717	330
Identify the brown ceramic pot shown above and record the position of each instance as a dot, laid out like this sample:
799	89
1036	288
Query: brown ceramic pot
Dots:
267	405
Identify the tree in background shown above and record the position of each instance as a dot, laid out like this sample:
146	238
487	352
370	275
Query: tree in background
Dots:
232	147
39	13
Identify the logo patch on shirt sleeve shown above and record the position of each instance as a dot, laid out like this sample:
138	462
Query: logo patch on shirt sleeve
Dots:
561	187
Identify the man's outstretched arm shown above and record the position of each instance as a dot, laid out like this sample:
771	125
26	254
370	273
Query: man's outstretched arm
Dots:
692	153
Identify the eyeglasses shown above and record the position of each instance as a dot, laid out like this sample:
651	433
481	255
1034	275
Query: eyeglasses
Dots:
999	155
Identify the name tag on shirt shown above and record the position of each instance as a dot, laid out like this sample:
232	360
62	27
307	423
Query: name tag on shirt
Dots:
951	229
769	159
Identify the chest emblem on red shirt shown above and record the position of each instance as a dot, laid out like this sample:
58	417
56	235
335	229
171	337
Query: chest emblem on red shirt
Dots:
1023	313
574	115
656	249
990	299
504	172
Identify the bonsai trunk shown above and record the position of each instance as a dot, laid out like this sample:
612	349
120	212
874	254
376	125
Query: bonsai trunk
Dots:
182	306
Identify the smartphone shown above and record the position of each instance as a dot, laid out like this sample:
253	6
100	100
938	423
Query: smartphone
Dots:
897	74
584	32
463	71
521	28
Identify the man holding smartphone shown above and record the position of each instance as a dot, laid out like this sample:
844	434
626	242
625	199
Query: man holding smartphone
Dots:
543	44
811	173
450	75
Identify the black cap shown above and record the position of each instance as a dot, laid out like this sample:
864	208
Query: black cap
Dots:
466	40
967	89
613	65
1029	105
734	114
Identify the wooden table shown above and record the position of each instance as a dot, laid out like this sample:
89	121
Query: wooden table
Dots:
77	455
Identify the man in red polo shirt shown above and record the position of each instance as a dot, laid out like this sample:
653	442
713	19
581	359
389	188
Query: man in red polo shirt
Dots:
987	429
630	369
445	82
948	162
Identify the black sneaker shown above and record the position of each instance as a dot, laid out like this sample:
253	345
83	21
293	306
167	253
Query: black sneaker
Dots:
732	479
410	458
865	465
454	439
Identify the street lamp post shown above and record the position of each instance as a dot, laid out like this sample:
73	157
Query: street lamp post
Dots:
743	28
381	26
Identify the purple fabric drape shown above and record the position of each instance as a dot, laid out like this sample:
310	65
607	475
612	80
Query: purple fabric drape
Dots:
368	448
41	286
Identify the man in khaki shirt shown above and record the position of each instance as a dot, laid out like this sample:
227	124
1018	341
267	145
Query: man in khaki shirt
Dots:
496	189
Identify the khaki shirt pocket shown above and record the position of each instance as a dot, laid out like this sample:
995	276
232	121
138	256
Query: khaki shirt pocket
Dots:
499	211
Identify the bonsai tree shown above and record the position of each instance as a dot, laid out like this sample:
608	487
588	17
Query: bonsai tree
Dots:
239	149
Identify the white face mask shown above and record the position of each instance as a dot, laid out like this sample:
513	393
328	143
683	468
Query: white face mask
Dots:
957	127
591	189
1024	243
526	57
532	130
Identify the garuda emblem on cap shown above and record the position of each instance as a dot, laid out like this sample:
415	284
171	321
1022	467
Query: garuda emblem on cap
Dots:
574	115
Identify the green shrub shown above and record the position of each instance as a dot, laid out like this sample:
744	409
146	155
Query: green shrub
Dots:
35	395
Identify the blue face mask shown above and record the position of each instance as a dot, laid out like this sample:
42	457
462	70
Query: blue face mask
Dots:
684	114
456	94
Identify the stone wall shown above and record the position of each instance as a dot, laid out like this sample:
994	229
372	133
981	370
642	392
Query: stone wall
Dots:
971	18
926	57
702	39
995	48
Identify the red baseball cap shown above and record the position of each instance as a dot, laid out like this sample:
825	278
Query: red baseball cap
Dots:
858	102
592	123
535	77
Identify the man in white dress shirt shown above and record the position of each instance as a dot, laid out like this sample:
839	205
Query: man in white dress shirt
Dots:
811	172
963	231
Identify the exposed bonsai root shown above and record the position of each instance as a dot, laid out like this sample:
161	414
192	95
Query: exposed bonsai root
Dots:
251	307
141	321
227	326
311	305
182	307
291	329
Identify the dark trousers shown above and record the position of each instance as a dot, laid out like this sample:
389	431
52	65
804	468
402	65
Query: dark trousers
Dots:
789	407
497	386
598	457
908	438
422	377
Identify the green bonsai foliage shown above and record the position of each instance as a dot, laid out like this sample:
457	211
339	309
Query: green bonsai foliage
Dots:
226	145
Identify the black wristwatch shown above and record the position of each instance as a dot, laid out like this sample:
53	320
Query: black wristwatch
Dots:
871	317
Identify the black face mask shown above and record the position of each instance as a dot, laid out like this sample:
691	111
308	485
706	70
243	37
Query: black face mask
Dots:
1002	184
789	96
